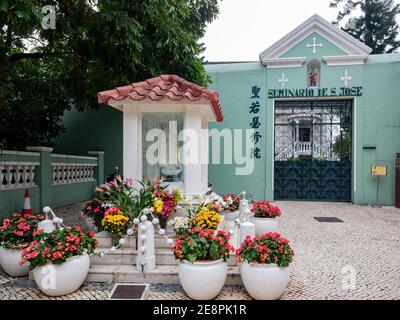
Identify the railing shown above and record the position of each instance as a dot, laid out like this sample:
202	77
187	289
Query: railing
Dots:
304	148
18	168
53	179
67	172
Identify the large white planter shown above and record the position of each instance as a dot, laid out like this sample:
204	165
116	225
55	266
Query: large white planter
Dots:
264	282
265	225
203	280
9	260
58	280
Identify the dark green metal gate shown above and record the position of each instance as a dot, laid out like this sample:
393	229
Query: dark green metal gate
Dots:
313	150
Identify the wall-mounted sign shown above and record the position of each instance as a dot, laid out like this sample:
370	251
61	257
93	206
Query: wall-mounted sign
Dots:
315	92
379	170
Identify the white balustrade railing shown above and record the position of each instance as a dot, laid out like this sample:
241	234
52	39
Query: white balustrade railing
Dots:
15	175
64	173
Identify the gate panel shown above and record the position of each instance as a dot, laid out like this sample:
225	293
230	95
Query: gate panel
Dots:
313	150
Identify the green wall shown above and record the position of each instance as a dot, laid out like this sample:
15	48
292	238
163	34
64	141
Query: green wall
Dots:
94	130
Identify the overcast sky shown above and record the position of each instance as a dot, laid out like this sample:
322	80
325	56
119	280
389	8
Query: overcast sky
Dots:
245	28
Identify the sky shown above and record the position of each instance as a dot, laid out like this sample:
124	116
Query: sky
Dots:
245	28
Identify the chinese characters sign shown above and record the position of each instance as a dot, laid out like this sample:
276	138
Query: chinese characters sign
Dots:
254	111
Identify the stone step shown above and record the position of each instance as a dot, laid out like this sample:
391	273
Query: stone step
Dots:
161	274
128	257
105	241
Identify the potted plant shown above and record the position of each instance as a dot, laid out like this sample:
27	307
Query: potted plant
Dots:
206	218
16	233
116	223
231	212
203	268
60	260
265	217
264	265
164	201
93	212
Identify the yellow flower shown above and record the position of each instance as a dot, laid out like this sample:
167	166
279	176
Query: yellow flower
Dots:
158	205
207	219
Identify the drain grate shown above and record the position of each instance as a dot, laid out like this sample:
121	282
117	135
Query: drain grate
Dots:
129	292
328	219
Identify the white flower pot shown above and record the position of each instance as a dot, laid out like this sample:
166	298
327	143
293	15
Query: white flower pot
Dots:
203	280
9	259
265	225
230	215
264	282
58	280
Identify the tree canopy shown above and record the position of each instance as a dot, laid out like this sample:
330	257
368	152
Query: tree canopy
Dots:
95	46
376	26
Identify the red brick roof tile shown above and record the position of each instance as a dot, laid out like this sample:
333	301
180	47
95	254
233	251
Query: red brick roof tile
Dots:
165	86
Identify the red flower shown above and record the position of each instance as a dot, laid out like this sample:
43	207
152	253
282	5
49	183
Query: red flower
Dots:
57	255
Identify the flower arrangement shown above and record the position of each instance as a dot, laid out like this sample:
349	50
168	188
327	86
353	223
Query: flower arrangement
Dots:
165	202
119	193
94	210
58	246
270	248
179	224
115	221
18	231
232	201
202	245
264	209
207	219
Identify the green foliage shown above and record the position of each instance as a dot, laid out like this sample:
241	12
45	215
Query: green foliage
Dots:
96	45
376	27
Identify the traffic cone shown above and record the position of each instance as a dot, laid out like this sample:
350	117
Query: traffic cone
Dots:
27	203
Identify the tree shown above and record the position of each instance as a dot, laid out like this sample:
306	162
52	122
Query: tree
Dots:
376	27
96	45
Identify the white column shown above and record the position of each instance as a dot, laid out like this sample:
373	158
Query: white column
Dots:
192	161
132	135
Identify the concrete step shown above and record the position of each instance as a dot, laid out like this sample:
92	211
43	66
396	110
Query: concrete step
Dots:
105	241
161	274
128	257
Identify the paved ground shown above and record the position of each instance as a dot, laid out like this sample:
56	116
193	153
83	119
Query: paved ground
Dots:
356	259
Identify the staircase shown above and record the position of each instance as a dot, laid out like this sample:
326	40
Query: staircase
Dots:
120	266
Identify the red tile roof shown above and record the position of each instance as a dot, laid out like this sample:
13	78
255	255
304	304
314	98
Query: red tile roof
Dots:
159	88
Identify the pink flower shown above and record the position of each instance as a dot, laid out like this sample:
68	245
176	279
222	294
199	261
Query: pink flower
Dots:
57	255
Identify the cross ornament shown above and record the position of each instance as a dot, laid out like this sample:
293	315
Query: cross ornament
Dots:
283	80
346	78
314	45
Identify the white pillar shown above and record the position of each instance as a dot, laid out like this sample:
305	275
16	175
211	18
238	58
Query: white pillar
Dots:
146	259
132	136
192	151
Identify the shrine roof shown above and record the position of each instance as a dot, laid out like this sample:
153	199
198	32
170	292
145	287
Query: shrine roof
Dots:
170	87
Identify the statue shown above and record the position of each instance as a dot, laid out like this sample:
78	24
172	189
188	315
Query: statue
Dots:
313	75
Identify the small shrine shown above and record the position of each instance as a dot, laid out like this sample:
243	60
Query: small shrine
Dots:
165	130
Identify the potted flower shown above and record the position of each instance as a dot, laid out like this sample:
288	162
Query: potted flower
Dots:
265	217
16	233
264	265
165	203
203	268
207	219
231	212
93	212
60	260
179	224
116	223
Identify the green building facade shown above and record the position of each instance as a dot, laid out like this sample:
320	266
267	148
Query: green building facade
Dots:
323	110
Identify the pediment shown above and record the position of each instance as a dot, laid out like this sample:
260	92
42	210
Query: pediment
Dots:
348	50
